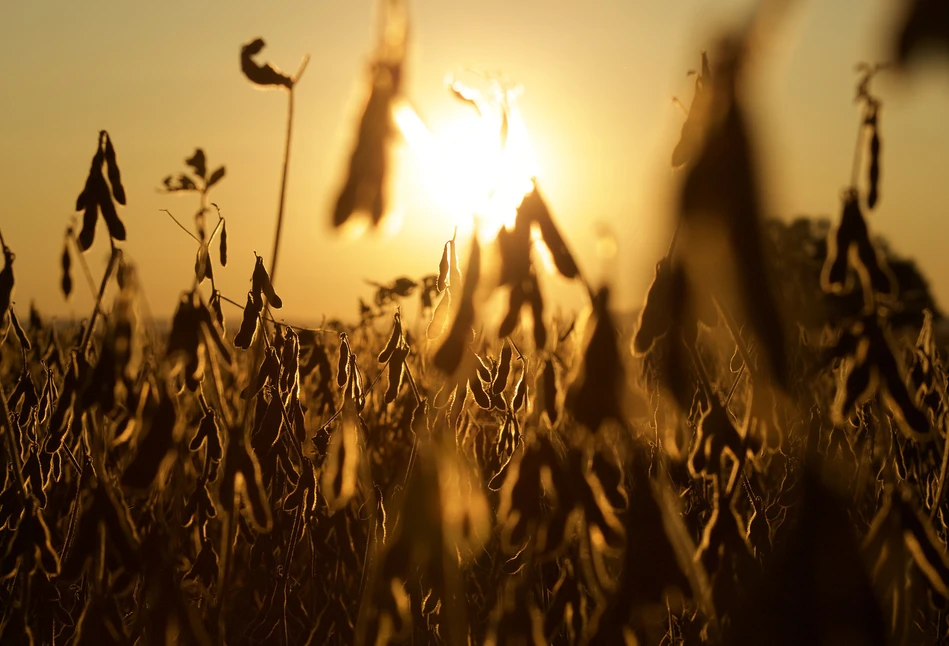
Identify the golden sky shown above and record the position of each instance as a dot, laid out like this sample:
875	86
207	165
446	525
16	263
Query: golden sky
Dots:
163	78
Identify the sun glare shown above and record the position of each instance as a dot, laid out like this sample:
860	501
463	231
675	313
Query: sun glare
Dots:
478	167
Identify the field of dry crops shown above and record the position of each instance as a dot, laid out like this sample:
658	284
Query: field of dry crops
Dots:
761	459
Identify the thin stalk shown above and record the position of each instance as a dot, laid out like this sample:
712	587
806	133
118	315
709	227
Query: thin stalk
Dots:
734	387
286	166
181	226
283	189
113	263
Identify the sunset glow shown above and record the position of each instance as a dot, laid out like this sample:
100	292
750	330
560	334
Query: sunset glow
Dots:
479	167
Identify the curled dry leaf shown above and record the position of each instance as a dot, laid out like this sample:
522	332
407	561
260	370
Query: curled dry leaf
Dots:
264	75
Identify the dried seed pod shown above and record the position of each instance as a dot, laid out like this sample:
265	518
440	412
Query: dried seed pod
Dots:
873	195
223	244
440	317
497	400
455	278
33	473
355	383
448	357
520	392
538	213
305	491
245	336
878	273
477	389
87	202
513	316
911	420
483	370
202	264
459	397
20	334
156	452
596	395
209	432
504	370
109	214
852	231
209	332
262	285
240	459
443	269
690	139
655	317
67	276
537	312
338	483
290	363
269	372
47	396
342	366
514	246
6	280
549	390
394	339
112	168
396	372
215	303
267	433
364	189
859	386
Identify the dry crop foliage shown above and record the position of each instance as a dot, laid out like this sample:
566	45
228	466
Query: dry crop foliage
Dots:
725	482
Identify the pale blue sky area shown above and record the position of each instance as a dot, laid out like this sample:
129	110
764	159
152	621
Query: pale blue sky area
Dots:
164	77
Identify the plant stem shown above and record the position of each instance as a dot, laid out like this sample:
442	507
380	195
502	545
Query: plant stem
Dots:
180	225
113	263
283	188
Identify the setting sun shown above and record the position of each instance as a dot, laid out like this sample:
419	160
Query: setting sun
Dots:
478	167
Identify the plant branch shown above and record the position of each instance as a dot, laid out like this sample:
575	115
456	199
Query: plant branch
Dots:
183	227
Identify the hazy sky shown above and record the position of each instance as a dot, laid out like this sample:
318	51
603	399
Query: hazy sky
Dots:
163	78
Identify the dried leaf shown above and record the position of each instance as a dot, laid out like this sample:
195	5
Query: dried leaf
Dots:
266	74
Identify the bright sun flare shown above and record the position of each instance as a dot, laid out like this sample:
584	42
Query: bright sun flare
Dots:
479	168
